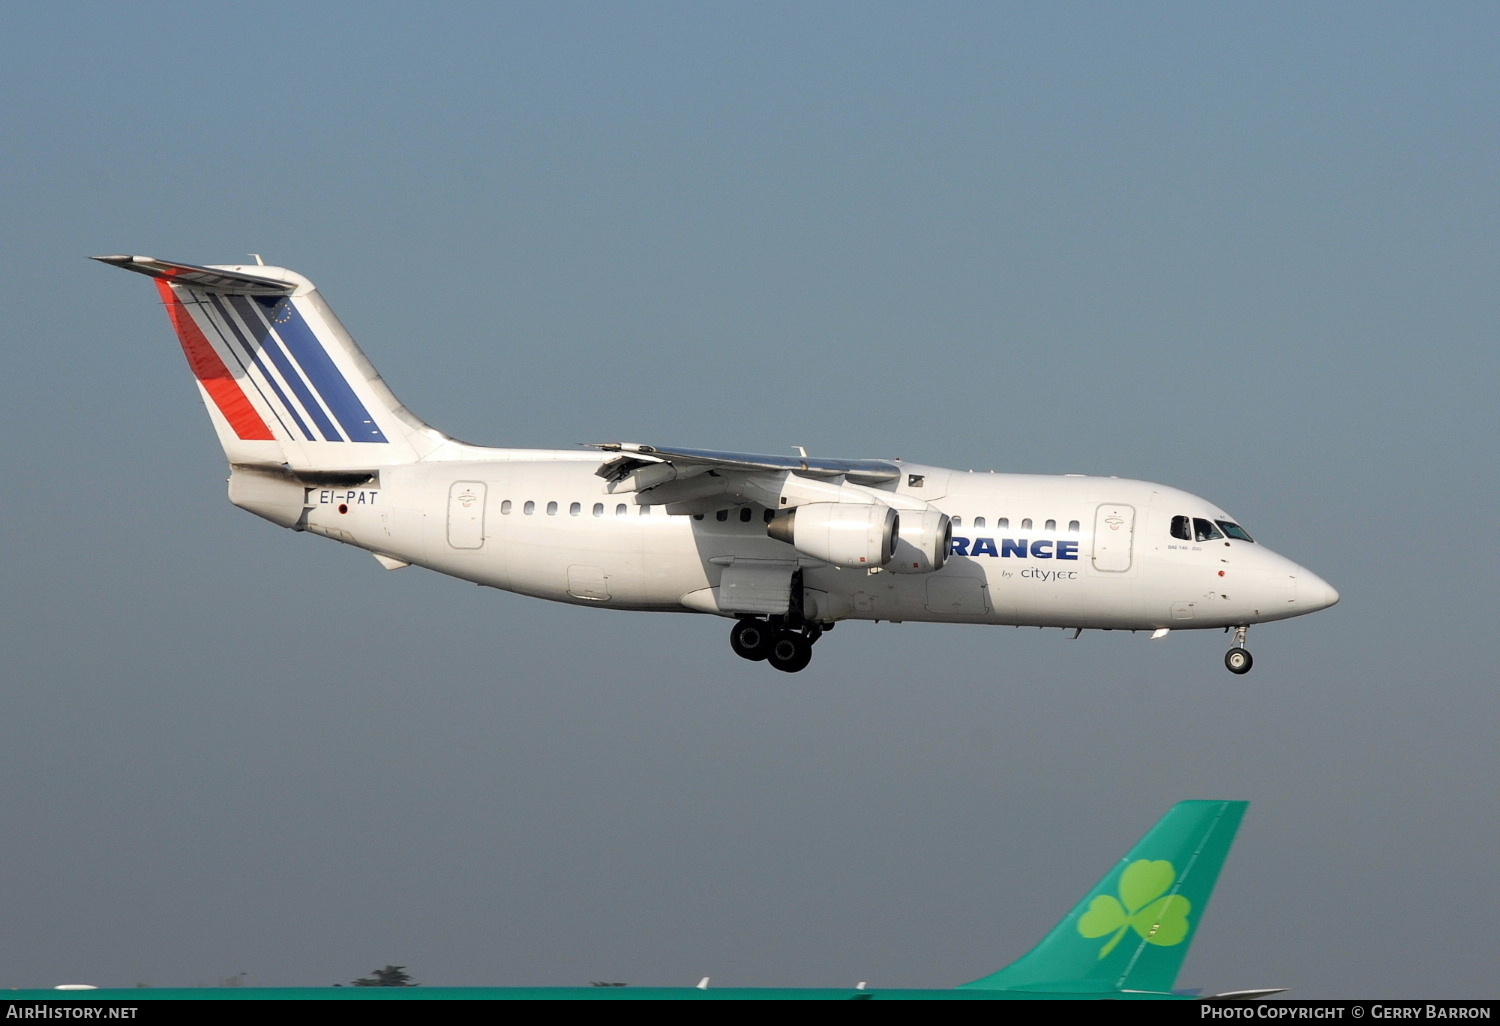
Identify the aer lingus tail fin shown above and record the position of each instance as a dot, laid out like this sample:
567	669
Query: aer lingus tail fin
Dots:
1132	931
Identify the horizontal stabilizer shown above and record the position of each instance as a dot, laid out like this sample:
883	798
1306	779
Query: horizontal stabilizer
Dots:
212	279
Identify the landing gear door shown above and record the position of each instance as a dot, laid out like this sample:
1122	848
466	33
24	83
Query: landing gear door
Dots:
1114	531
758	586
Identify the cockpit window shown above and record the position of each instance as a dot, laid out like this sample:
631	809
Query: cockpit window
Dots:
1234	531
1204	530
1182	527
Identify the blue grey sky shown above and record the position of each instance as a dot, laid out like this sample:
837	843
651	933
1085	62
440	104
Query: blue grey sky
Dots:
1248	250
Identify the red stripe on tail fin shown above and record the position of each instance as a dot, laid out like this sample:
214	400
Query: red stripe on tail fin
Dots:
209	369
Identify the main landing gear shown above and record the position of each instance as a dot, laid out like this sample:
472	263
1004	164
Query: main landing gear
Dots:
1237	659
774	640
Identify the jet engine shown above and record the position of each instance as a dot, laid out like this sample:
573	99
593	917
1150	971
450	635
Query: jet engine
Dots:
843	533
925	541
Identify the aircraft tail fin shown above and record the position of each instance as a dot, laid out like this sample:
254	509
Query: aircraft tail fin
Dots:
284	383
1133	930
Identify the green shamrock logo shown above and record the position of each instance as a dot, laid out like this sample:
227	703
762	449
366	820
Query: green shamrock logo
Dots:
1140	907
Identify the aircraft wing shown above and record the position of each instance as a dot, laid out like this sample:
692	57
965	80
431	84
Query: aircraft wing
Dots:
702	480
634	456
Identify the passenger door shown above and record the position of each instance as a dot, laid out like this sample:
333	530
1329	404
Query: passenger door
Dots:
466	515
1114	532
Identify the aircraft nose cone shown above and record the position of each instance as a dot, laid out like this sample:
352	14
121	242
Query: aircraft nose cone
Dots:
1314	593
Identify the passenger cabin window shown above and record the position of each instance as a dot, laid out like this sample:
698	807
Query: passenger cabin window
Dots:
722	515
1204	531
621	510
1026	524
575	509
529	508
1182	527
552	509
1072	527
769	515
745	514
505	508
1234	530
646	510
979	521
1003	523
598	509
1052	525
958	521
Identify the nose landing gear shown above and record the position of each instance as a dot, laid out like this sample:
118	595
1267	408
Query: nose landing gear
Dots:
1238	658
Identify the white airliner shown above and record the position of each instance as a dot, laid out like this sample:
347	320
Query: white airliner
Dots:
787	546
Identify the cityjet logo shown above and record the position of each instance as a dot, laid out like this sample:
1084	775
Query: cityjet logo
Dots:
1141	907
1020	548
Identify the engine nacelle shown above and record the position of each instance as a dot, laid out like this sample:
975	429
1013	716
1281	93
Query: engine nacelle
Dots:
842	533
925	541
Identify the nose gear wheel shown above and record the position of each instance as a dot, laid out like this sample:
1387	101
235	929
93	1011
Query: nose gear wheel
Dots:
1238	659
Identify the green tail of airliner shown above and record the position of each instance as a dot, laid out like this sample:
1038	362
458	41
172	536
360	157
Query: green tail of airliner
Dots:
1132	931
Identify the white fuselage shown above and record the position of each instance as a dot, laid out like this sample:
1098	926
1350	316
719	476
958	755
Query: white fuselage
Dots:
1028	550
